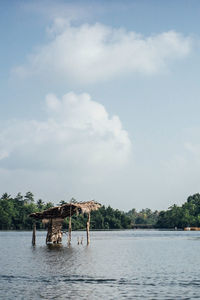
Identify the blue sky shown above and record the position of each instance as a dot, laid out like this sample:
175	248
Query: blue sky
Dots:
100	100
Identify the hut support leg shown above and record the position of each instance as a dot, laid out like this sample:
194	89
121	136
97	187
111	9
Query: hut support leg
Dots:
70	231
88	229
34	234
49	232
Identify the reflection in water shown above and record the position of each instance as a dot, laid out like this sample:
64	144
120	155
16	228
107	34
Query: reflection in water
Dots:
54	247
117	265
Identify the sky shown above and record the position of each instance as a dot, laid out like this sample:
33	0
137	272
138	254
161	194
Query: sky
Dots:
100	100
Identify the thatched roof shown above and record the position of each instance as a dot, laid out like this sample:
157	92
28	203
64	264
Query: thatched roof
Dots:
66	210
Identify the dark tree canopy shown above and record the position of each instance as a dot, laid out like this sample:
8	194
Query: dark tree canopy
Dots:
181	216
15	211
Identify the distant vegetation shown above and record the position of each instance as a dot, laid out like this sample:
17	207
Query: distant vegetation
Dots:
15	211
14	215
181	216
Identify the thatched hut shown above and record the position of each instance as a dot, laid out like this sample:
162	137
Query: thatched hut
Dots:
55	216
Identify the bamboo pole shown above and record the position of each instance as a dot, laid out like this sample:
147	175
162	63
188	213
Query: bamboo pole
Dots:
88	229
34	235
70	227
49	232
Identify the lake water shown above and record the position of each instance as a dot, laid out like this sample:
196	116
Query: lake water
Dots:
133	264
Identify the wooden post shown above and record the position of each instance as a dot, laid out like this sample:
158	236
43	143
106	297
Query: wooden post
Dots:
34	234
49	232
70	227
88	229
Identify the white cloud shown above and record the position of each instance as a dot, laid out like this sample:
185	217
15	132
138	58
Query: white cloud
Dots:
92	53
77	134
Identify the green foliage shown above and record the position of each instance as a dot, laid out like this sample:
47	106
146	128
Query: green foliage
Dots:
145	217
181	216
104	218
14	214
109	218
15	211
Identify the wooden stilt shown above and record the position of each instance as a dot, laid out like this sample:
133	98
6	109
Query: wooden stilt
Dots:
88	229
70	228
49	232
34	235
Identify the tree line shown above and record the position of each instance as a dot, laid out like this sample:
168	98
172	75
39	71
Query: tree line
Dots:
15	211
182	216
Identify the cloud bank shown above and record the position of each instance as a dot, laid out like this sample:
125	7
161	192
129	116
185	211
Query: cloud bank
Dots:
91	53
77	134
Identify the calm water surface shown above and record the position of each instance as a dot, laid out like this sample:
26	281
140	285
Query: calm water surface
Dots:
117	265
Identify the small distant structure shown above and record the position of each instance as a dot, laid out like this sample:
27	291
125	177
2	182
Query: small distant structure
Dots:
192	228
55	216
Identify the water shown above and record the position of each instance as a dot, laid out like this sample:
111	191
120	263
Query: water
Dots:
117	265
